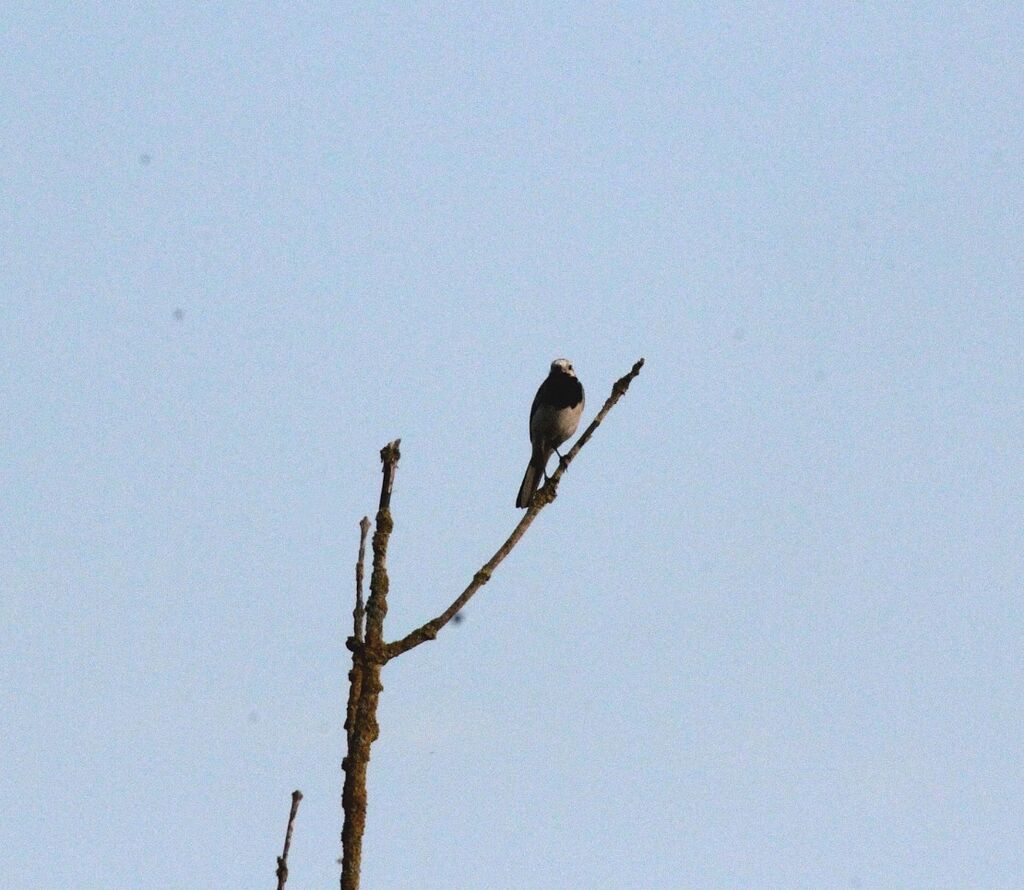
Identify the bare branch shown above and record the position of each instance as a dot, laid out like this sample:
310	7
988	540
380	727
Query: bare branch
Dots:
540	500
367	659
282	860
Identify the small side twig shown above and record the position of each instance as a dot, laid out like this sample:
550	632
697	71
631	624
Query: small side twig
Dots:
355	675
282	860
359	612
540	500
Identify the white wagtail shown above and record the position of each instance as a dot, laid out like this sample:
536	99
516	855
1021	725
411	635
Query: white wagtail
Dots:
553	418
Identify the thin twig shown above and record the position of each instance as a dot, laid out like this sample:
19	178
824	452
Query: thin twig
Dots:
282	860
540	500
359	612
355	675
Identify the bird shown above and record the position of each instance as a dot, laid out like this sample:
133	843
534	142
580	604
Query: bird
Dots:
554	416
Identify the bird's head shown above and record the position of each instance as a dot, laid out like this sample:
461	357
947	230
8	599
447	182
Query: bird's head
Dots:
563	366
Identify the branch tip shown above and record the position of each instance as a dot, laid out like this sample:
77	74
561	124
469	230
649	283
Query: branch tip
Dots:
282	860
389	456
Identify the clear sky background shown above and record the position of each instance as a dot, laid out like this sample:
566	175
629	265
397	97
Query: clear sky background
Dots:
769	635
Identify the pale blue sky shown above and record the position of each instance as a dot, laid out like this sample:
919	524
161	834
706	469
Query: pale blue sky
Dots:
770	634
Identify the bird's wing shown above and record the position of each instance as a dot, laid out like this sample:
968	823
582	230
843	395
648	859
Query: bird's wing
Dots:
537	399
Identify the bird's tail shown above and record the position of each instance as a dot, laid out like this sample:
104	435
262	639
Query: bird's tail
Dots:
531	481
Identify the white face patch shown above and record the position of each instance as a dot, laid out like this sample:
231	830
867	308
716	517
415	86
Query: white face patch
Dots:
564	365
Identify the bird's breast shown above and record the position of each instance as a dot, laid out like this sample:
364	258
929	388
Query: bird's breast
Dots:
554	425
